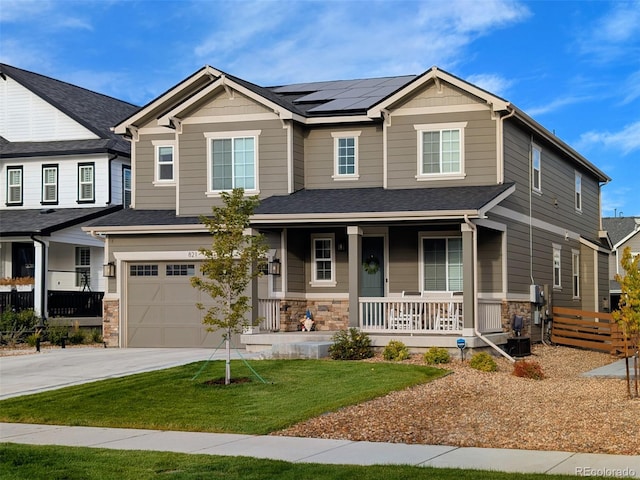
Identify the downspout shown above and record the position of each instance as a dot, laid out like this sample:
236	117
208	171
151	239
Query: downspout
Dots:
111	159
474	233
43	287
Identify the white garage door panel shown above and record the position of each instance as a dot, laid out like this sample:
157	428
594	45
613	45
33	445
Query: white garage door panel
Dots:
162	312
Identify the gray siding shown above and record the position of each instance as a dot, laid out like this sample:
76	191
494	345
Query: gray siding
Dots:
272	162
489	261
588	280
480	164
297	243
403	260
147	195
603	282
319	157
298	157
555	204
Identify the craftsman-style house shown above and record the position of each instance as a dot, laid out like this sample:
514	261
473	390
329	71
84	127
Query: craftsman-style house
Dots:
417	207
61	167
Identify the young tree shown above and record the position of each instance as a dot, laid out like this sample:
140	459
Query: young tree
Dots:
628	313
233	261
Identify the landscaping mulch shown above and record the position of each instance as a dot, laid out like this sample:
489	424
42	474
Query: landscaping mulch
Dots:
469	408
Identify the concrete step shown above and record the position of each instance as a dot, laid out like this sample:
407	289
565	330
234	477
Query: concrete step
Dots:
313	350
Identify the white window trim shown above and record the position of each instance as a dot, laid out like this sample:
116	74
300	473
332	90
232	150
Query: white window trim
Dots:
81	266
556	248
323	283
336	140
439	127
231	135
157	144
45	184
575	272
11	186
537	148
93	183
125	189
421	238
577	196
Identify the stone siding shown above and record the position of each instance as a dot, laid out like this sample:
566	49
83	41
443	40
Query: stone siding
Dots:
509	309
111	322
328	315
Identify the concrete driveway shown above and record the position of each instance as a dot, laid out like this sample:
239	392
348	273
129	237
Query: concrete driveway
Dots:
57	368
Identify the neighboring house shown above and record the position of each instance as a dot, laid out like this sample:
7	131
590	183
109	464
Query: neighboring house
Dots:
61	167
417	207
623	232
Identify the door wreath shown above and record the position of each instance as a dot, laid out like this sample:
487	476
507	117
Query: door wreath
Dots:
371	265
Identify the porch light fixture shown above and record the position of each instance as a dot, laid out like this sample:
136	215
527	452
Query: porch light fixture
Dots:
274	267
109	270
342	247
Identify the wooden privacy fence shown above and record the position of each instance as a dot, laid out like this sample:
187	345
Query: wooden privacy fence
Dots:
592	330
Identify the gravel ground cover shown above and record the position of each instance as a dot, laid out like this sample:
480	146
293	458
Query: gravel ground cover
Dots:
469	408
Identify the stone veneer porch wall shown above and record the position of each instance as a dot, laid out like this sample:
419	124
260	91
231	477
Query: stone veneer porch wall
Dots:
111	322
328	315
509	309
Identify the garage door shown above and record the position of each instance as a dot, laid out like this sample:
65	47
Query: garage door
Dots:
161	307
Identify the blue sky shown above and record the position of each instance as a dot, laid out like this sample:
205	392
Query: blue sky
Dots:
574	66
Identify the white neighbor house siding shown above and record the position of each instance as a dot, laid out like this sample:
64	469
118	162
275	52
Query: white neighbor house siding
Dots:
25	117
67	180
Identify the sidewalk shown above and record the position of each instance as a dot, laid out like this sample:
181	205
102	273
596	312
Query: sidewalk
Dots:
314	450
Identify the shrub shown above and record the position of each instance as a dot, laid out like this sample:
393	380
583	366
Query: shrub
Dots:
528	369
437	355
350	345
395	350
15	325
56	333
96	335
484	362
33	339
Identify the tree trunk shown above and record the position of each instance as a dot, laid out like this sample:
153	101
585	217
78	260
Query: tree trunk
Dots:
227	373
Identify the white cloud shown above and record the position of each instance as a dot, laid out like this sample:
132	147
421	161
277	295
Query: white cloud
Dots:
632	88
555	105
627	140
493	83
19	10
331	40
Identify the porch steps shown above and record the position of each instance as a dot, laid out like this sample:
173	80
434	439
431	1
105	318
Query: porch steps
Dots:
307	350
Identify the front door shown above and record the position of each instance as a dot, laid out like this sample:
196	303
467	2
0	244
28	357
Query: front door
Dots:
372	267
22	259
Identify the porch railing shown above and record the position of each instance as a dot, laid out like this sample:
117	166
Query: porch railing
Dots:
269	311
409	315
489	316
74	304
15	300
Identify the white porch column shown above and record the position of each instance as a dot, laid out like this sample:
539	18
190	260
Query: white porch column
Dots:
40	276
468	284
354	234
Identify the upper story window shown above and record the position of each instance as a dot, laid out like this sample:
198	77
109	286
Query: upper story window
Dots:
442	269
126	187
49	184
536	165
164	161
575	273
345	148
233	161
440	150
86	183
578	192
557	266
14	185
323	261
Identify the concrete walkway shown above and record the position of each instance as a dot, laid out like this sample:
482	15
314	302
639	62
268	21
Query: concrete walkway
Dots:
314	450
57	368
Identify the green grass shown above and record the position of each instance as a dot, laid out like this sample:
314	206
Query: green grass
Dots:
70	463
295	390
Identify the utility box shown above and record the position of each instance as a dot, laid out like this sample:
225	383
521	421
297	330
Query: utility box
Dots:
536	294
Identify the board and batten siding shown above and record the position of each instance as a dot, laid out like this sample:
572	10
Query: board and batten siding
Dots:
193	172
25	117
480	153
555	203
319	150
149	196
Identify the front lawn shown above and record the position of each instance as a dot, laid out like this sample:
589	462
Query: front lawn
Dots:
295	390
52	463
